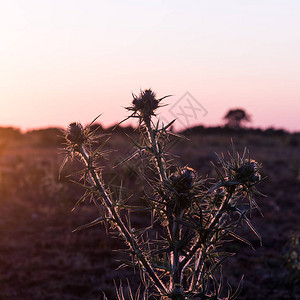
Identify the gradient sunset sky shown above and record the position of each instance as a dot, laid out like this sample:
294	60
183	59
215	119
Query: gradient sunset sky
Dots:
70	60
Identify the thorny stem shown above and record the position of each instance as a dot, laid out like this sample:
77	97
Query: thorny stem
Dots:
120	225
160	165
174	232
198	268
199	264
208	236
177	274
220	211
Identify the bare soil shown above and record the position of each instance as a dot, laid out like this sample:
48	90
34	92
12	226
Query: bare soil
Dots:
40	257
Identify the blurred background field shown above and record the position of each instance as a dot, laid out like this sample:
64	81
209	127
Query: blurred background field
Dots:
40	257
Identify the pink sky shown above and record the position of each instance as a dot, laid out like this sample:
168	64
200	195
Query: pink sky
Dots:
64	61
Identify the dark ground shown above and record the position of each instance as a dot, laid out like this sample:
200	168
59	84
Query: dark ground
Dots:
40	257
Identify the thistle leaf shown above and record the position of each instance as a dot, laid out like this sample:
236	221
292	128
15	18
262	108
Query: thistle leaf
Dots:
97	221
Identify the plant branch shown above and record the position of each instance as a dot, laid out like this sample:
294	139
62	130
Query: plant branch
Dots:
94	178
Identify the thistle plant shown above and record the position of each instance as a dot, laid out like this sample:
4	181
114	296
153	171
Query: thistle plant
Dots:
180	255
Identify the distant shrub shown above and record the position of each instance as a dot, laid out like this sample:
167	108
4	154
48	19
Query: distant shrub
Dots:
9	132
46	137
236	118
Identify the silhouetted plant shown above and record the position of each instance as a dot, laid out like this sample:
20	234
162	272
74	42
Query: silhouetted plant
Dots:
191	218
235	118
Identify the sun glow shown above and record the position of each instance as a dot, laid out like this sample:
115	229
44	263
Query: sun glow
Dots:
67	60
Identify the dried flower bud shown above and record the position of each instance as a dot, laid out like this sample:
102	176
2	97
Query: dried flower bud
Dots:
247	172
75	134
182	182
146	103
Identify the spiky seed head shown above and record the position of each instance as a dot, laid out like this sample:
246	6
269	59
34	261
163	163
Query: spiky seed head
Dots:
75	134
181	185
183	179
146	103
247	172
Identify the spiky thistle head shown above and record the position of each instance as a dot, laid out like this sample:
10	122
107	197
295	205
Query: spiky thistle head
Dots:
248	171
183	179
146	102
144	105
75	134
180	190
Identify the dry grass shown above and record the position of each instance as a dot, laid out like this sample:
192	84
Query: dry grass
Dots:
41	259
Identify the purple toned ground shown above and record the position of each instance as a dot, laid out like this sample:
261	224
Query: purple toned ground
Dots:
40	257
